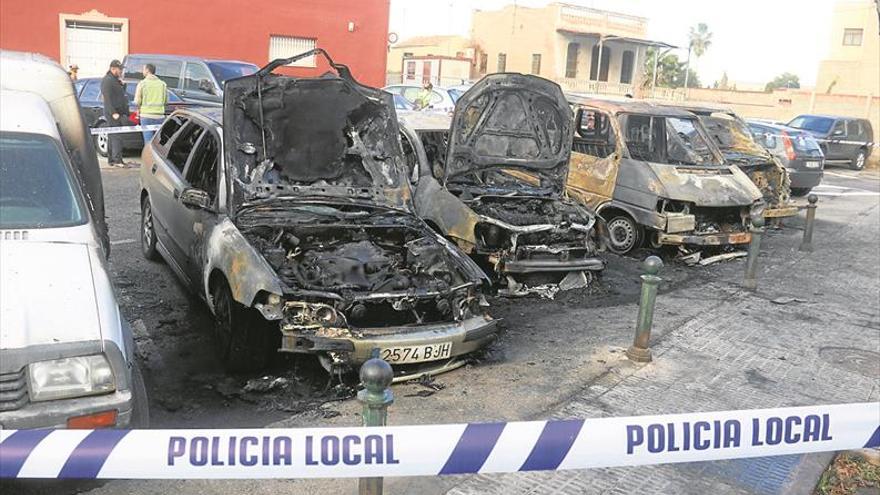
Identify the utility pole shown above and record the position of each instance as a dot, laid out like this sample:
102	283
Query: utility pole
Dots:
687	67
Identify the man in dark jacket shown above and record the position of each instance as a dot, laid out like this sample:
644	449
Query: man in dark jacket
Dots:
115	110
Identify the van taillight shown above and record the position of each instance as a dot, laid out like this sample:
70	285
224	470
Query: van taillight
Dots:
789	148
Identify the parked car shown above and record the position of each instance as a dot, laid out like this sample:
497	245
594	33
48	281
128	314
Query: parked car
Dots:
843	140
493	182
401	103
72	366
192	78
91	102
442	100
654	173
732	135
301	224
797	150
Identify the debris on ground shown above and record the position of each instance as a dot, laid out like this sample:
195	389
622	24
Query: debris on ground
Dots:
265	384
787	300
723	257
689	259
849	474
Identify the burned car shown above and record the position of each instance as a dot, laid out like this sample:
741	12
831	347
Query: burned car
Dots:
300	221
739	147
654	174
493	182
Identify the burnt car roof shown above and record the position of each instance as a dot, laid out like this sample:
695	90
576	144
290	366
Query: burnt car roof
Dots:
629	106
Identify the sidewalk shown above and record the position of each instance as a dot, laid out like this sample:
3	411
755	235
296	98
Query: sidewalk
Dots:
742	351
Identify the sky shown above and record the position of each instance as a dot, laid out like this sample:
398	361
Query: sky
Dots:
752	40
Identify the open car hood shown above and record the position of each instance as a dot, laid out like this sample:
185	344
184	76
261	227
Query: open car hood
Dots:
512	121
312	137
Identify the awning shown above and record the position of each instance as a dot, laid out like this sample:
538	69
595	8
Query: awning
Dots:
612	37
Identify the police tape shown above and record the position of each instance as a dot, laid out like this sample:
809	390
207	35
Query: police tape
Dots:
437	449
866	144
124	129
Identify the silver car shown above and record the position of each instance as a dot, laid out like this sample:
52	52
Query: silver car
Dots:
66	353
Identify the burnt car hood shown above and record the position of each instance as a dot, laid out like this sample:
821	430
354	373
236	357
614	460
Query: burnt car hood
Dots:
709	186
312	137
512	121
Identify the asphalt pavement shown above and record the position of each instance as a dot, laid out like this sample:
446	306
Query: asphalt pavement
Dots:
810	334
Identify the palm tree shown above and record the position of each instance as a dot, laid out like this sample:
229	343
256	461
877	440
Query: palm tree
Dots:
699	41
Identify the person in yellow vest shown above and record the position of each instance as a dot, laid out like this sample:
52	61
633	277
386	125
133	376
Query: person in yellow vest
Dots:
150	97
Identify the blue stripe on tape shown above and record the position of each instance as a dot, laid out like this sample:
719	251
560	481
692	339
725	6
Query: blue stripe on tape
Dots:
553	445
16	449
89	456
473	448
874	441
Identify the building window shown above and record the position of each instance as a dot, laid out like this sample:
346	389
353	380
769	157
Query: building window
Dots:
596	73
288	46
536	63
502	62
852	37
626	67
410	70
484	63
571	60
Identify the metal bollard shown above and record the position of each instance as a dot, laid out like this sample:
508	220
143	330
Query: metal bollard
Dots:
376	375
639	351
751	281
807	242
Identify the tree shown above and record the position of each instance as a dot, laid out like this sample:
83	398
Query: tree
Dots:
699	40
784	80
671	73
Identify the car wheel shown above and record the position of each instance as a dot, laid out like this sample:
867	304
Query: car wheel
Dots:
102	143
242	337
624	234
858	162
800	191
148	232
140	405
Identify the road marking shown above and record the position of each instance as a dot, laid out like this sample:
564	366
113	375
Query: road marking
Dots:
838	191
844	176
122	241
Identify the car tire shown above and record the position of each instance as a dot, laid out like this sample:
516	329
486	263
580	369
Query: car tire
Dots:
242	336
800	192
624	234
148	231
858	161
140	405
102	143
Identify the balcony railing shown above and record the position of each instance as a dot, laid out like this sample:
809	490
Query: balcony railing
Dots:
586	20
595	87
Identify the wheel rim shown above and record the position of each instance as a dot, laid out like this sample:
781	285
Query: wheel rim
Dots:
101	139
622	233
860	161
147	225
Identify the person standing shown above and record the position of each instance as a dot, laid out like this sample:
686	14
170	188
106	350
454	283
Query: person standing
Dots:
423	100
150	97
115	109
72	72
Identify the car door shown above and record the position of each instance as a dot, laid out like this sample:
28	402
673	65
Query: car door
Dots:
91	102
594	158
198	83
836	148
193	223
853	140
168	183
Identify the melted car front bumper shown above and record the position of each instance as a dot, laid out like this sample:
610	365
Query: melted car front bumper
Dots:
705	239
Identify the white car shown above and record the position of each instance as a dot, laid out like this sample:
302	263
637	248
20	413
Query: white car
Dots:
66	353
442	100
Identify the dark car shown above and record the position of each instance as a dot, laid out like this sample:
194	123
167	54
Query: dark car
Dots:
192	78
299	231
798	151
844	140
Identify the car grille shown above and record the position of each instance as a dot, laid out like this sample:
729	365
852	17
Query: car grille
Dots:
13	390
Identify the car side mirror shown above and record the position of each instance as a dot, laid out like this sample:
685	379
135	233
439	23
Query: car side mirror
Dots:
207	86
195	198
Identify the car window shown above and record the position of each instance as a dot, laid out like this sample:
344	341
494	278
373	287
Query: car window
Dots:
228	70
169	128
411	93
839	128
670	140
202	171
183	144
36	186
166	70
436	98
91	91
594	134
853	129
810	123
197	78
133	68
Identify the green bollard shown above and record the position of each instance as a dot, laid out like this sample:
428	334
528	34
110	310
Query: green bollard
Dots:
751	281
807	242
639	351
376	375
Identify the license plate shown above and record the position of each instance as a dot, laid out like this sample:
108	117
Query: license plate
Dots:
811	164
416	353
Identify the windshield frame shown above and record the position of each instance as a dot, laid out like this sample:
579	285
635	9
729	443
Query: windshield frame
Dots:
743	140
213	66
82	213
711	146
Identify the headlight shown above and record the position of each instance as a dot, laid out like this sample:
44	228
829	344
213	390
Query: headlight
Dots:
757	210
70	377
